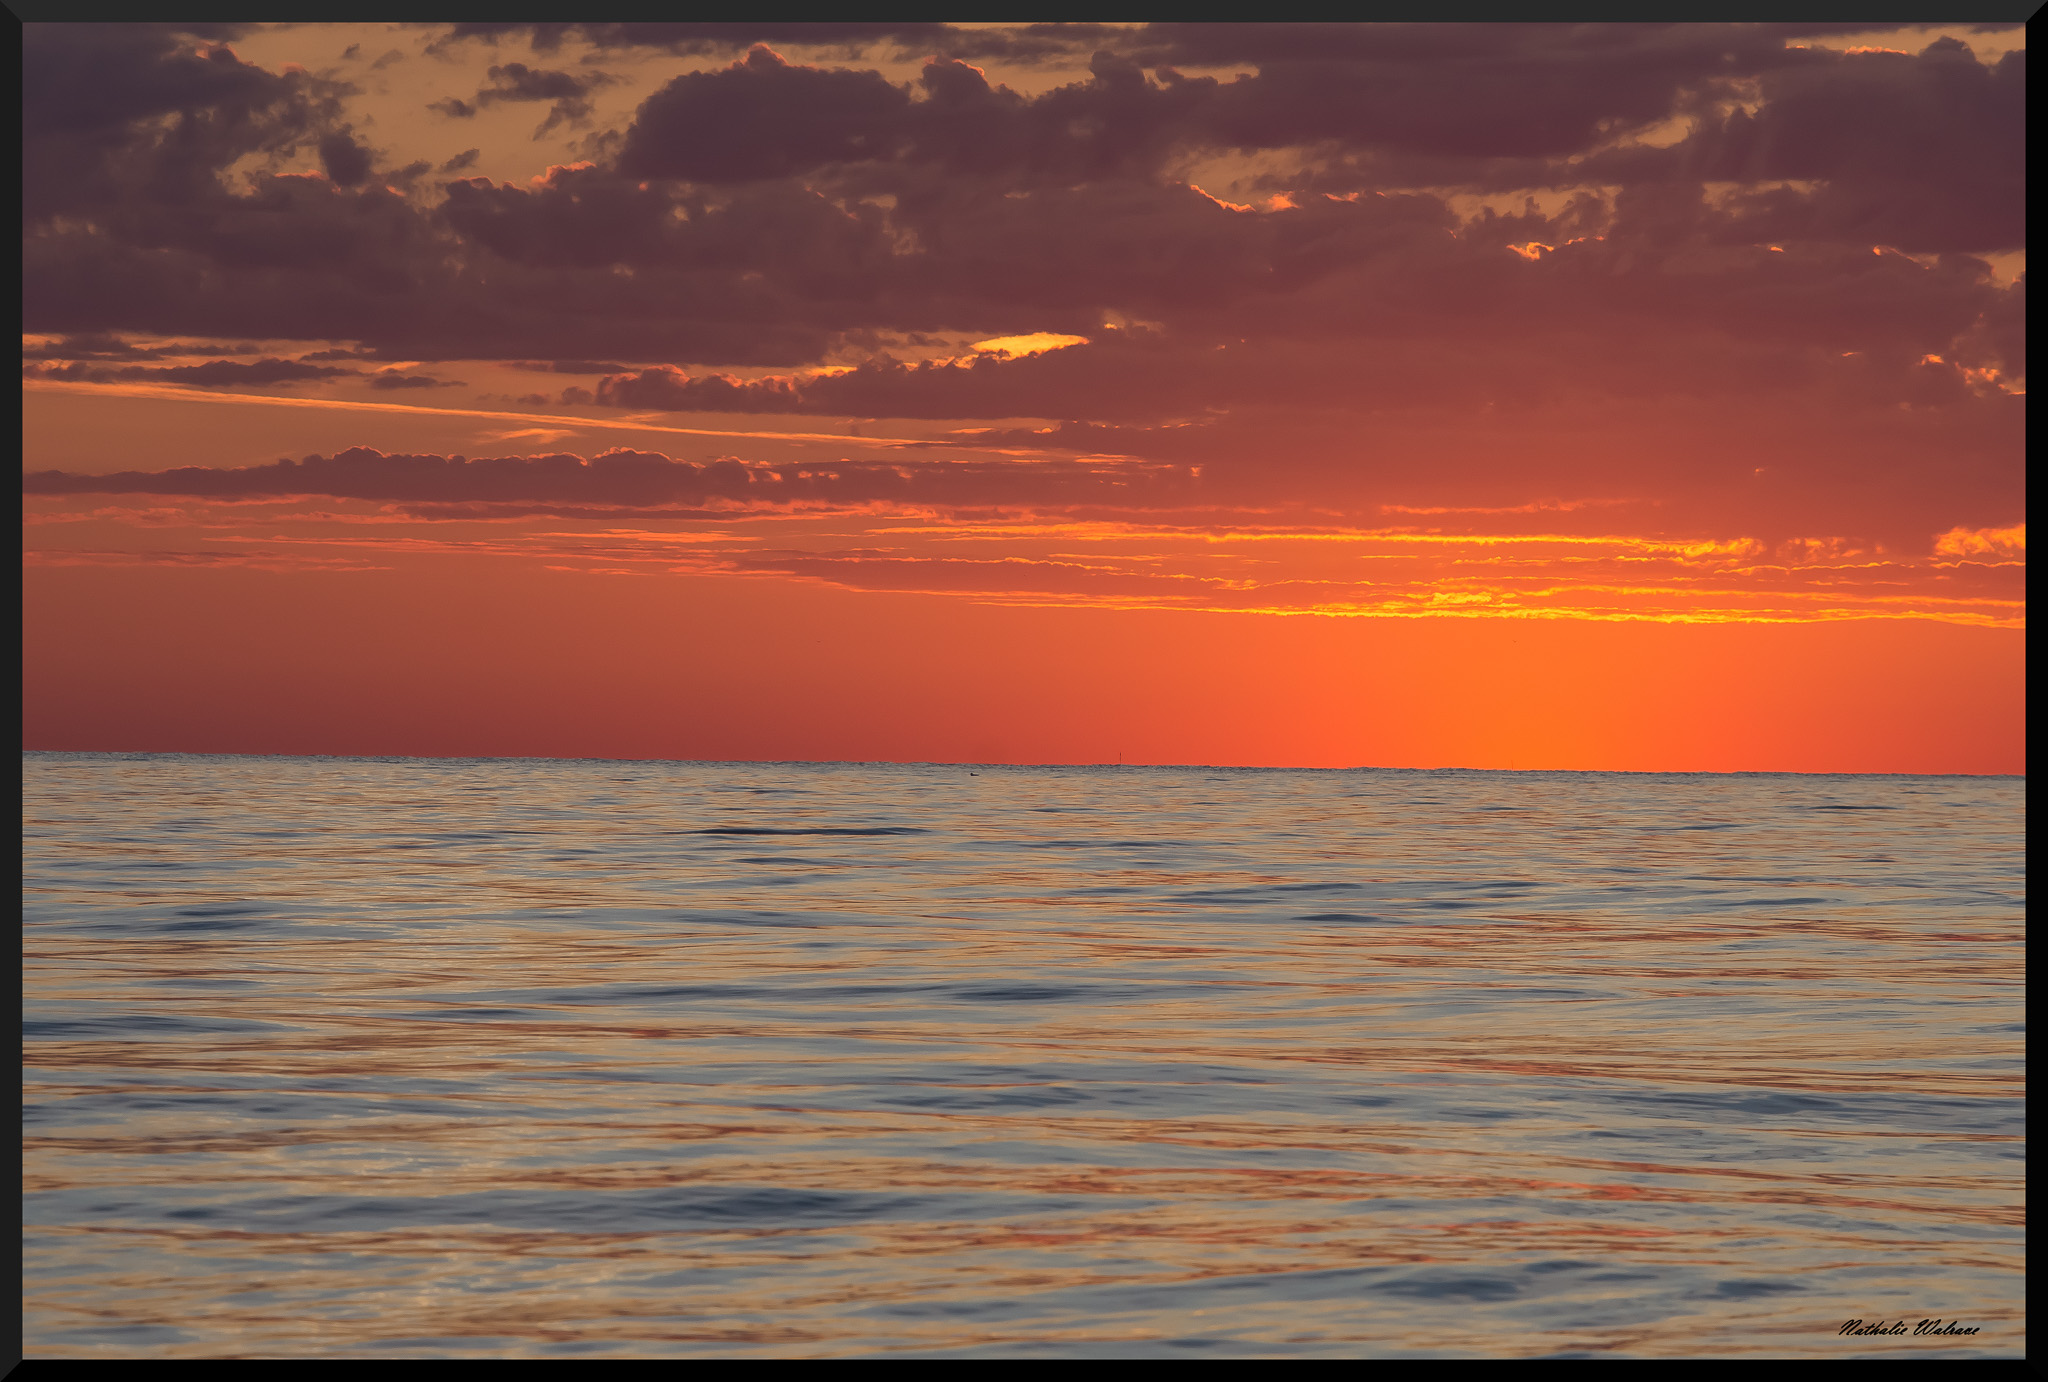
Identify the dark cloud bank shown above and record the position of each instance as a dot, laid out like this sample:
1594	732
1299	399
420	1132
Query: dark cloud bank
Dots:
564	483
1807	247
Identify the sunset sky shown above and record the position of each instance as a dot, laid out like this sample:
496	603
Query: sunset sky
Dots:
1540	396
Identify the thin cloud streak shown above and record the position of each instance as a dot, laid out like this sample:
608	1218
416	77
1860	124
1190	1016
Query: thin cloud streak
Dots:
167	391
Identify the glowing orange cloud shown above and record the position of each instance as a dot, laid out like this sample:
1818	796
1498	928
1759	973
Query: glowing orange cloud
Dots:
1036	343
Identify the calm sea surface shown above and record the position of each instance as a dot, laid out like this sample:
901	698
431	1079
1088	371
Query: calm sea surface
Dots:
514	1057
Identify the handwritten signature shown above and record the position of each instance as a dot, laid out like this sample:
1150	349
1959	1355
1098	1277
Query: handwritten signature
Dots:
1901	1327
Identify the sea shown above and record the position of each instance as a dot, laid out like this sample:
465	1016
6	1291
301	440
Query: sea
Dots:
450	1058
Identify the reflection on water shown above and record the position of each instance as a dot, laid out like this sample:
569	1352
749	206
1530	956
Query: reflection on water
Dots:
420	1057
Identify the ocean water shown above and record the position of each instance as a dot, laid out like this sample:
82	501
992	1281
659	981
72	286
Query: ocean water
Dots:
405	1057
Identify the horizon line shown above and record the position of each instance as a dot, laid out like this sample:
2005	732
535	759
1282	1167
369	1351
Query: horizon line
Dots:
969	763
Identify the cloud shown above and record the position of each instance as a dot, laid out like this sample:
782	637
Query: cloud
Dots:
111	112
1050	532
424	411
1923	152
711	37
1105	383
761	118
1032	343
571	366
515	81
957	204
2001	544
637	479
1459	101
92	345
569	93
212	374
347	162
1740	279
389	380
250	560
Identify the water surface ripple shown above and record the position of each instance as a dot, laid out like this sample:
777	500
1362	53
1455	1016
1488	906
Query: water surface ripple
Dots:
518	1057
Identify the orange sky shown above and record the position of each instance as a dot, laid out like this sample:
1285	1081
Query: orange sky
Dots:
1487	396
